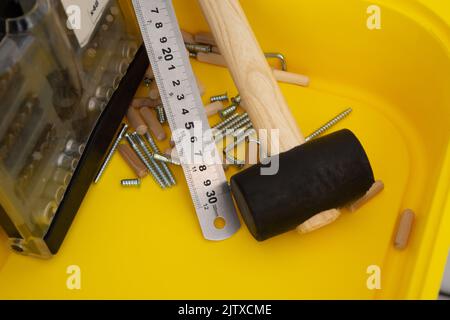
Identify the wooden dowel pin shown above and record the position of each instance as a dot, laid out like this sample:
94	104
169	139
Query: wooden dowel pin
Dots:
151	120
376	188
136	121
404	228
213	108
132	160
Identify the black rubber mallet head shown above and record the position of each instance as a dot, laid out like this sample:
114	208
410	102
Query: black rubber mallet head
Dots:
322	174
314	177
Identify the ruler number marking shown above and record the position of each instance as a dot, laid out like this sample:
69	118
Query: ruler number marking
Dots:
206	182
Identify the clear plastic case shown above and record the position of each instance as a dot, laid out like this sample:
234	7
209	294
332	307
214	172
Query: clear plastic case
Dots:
53	89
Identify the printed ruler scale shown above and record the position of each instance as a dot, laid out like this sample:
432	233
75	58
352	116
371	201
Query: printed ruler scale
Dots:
187	118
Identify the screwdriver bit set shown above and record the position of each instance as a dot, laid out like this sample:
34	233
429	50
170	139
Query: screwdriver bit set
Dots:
66	69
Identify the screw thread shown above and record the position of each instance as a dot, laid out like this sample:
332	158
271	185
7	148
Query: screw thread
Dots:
193	47
149	155
228	111
111	152
161	114
240	124
164	166
141	156
242	131
130	182
220	97
329	124
224	123
233	125
243	135
240	139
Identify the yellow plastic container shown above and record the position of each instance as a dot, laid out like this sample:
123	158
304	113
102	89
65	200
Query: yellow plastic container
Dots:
146	243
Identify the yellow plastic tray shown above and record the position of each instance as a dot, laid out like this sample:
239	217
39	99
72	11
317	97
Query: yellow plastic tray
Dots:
147	243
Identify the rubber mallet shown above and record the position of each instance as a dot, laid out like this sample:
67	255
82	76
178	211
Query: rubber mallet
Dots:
314	177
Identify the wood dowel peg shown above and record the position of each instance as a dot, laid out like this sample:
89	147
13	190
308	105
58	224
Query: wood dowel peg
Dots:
291	78
318	221
212	58
376	188
136	121
151	120
153	92
214	108
132	160
405	224
144	102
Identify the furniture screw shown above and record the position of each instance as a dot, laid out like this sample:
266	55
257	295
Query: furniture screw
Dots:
327	126
130	182
111	152
220	97
156	151
137	138
161	113
144	160
228	111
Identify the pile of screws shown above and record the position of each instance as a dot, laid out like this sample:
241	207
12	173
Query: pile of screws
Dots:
147	153
147	117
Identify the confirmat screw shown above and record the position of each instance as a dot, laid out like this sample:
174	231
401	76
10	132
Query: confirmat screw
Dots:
224	123
220	97
131	182
242	128
161	113
192	47
327	126
137	138
144	160
243	123
237	123
156	152
240	121
243	135
111	152
239	140
228	111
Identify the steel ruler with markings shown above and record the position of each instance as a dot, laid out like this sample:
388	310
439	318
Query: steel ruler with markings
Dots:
187	118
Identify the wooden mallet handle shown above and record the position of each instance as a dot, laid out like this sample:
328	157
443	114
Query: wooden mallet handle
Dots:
255	80
250	70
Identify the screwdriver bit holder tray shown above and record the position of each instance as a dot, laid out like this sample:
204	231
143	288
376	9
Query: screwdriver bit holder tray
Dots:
61	101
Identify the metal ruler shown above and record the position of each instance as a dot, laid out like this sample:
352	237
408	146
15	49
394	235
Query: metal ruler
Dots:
187	118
